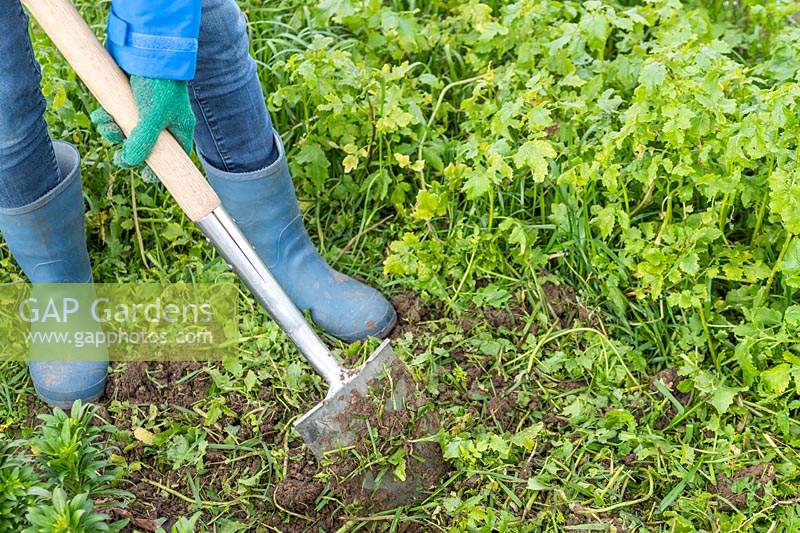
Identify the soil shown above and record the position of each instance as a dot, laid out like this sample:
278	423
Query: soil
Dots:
158	383
670	379
578	516
410	308
760	475
563	301
298	492
144	524
498	318
36	407
555	422
503	407
412	313
182	384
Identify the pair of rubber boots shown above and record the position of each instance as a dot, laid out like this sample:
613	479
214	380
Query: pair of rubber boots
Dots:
47	239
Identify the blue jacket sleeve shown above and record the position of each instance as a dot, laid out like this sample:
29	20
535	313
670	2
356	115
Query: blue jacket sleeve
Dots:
155	38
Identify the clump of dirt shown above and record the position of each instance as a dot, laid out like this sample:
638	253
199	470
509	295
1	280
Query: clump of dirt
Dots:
410	308
670	379
579	515
572	384
412	312
299	490
150	503
498	318
466	324
134	522
760	475
35	407
555	422
563	301
503	406
502	409
158	382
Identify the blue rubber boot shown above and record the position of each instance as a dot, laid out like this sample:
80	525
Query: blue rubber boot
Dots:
264	205
47	239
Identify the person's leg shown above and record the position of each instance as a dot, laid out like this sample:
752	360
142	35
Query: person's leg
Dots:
41	203
28	168
246	164
234	129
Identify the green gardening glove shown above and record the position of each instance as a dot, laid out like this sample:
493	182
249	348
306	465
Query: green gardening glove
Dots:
162	105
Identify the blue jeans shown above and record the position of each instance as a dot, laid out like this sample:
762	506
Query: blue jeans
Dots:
234	129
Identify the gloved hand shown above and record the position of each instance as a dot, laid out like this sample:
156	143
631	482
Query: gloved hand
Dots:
162	104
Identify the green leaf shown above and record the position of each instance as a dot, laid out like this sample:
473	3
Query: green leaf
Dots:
595	27
534	154
723	397
777	378
652	75
790	264
690	263
478	184
792	315
314	163
428	206
250	380
173	232
784	198
536	484
398	458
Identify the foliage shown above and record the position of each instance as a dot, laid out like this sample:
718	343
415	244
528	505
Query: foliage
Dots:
58	514
52	489
16	481
68	450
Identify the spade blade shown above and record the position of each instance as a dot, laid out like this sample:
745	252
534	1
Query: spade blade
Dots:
380	396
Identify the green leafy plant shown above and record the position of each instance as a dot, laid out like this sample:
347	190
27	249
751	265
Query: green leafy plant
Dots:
67	447
17	479
57	513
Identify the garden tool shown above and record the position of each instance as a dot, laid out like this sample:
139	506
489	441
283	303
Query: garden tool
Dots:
340	420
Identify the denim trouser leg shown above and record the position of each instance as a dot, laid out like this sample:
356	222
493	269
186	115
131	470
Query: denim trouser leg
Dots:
28	168
234	129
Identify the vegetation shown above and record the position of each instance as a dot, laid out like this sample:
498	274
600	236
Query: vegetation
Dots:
587	214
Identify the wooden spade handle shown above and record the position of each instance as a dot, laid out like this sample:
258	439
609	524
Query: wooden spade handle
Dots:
98	70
